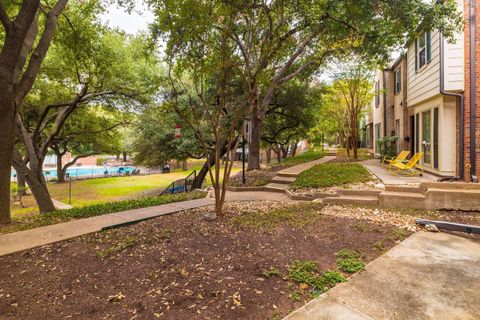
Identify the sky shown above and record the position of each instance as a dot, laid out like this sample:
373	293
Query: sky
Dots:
132	23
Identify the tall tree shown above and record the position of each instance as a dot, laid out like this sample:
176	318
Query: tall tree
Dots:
206	91
23	41
354	84
87	132
278	40
290	116
87	65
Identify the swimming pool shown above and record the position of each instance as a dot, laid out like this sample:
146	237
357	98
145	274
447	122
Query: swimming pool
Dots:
84	172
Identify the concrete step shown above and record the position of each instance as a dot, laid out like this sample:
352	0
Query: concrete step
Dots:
355	200
283	180
276	187
352	192
399	188
287	174
406	200
452	185
402	195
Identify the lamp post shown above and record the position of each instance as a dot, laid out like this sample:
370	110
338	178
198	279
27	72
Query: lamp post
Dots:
246	128
69	187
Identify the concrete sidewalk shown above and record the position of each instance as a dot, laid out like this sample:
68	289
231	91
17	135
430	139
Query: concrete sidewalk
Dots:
383	174
427	276
22	240
296	170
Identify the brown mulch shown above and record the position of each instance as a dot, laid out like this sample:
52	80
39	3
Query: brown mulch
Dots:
256	178
183	267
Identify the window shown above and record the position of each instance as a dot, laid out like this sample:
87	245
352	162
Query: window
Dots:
377	94
422	50
398	81
397	133
377	131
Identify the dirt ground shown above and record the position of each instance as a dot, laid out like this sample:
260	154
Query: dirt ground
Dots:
183	267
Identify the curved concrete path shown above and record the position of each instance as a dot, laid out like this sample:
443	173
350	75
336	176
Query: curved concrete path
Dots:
427	276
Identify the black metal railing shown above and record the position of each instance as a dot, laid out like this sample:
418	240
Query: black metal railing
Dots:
182	185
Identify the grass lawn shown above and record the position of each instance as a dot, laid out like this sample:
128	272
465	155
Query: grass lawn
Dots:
101	190
307	156
332	174
262	261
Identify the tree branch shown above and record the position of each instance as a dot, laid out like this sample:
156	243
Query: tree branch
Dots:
7	24
40	51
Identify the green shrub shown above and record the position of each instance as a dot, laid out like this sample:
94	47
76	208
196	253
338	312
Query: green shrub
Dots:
332	174
387	146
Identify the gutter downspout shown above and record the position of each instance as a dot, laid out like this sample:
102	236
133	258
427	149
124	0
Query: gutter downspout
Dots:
473	170
384	103
461	156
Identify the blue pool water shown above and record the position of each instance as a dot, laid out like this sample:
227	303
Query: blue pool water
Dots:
76	172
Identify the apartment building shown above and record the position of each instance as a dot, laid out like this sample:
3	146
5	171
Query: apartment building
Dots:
428	98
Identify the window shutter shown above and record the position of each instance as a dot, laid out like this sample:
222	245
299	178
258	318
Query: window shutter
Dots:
399	79
429	50
416	54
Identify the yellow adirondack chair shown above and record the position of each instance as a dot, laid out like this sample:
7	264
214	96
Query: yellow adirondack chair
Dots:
388	161
409	167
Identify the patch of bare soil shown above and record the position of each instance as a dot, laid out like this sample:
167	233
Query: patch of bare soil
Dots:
183	267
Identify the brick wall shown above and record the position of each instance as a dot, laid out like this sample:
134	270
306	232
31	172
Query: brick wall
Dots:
468	88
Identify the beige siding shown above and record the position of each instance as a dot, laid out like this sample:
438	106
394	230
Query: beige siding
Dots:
454	64
454	60
425	82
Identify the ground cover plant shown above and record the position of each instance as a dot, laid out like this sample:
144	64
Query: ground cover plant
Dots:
183	267
34	221
332	174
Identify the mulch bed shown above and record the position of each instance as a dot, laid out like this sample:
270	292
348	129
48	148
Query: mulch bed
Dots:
183	267
256	178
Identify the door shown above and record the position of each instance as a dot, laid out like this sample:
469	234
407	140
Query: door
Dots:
412	135
427	137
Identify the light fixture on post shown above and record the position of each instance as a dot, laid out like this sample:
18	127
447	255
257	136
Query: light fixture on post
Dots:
178	131
246	129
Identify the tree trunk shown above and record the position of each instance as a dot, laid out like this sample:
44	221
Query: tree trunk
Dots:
279	155
269	155
40	192
124	156
184	165
197	184
284	152
254	145
294	149
60	171
38	186
7	140
21	185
